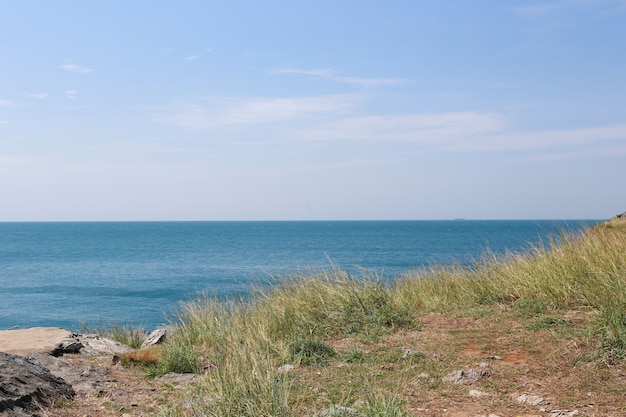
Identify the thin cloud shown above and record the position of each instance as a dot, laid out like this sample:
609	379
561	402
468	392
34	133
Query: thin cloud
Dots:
524	141
71	94
38	96
430	129
603	152
6	103
199	55
220	111
537	10
331	75
77	68
471	132
545	9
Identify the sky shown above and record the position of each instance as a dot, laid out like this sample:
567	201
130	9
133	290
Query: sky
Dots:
312	110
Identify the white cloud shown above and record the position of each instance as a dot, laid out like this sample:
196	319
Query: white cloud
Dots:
77	68
38	96
220	111
6	103
71	94
331	75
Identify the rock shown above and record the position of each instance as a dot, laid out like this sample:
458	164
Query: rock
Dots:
561	413
173	378
25	342
82	376
285	368
467	376
70	346
477	394
25	384
531	400
339	411
96	345
156	337
55	341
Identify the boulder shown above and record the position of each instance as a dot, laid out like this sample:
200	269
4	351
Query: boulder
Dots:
92	344
25	385
156	337
82	375
25	342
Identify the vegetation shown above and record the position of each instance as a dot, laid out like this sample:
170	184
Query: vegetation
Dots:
332	316
127	334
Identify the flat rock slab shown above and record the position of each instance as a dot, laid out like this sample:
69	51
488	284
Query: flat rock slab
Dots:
25	342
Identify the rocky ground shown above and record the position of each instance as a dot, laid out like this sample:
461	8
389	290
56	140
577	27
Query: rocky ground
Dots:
494	363
52	372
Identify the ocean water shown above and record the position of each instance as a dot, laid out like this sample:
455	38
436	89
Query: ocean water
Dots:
65	274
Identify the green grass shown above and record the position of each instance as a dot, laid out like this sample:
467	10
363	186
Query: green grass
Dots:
245	341
127	333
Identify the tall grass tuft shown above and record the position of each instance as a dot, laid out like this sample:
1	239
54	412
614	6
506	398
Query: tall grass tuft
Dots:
332	303
242	343
126	334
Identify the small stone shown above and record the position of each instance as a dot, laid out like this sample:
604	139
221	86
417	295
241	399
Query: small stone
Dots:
339	411
531	400
70	346
477	394
176	378
467	376
285	368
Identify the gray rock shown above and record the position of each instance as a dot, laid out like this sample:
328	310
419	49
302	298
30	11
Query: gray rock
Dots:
156	337
96	345
339	411
467	376
173	378
531	400
477	394
25	385
82	376
285	368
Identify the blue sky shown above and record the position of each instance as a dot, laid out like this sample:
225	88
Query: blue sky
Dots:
270	110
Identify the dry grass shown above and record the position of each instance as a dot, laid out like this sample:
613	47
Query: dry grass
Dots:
145	356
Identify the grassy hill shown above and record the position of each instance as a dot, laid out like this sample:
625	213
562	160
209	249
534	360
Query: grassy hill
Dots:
549	322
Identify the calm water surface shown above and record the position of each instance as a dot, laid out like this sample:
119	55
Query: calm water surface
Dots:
62	274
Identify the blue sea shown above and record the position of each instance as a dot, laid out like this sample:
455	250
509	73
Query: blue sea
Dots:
67	274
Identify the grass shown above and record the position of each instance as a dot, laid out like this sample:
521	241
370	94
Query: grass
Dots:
127	333
240	345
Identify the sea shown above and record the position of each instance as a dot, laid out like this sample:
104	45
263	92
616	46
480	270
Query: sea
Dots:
78	275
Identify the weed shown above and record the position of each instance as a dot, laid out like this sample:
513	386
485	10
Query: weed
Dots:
546	322
355	355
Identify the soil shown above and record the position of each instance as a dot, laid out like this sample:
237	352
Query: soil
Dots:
550	357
